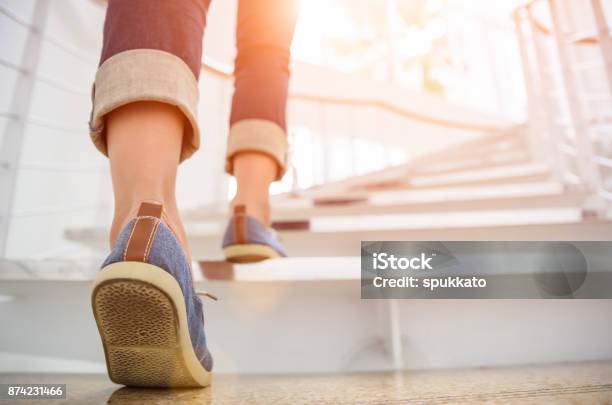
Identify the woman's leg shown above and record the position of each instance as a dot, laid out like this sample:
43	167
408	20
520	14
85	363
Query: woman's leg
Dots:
145	101
257	144
144	118
254	172
144	147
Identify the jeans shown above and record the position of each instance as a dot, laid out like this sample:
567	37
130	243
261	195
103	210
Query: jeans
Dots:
152	51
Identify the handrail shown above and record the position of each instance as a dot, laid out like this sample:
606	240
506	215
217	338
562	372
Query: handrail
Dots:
217	69
225	72
402	112
593	168
541	27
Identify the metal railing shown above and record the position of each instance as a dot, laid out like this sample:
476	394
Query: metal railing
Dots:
566	50
226	72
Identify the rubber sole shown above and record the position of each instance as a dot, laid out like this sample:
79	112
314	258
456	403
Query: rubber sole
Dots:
249	253
141	316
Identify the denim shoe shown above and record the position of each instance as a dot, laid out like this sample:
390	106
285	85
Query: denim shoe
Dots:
147	311
248	240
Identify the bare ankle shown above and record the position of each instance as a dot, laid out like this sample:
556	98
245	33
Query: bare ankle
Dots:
254	173
257	208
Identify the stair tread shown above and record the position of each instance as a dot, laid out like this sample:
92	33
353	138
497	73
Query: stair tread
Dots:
474	175
314	268
513	196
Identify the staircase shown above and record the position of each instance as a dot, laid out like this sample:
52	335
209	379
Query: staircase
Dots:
493	180
487	189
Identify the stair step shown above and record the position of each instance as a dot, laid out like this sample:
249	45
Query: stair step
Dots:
444	220
340	235
460	198
488	175
451	166
412	202
277	270
386	207
347	243
305	268
469	193
488	146
326	328
397	179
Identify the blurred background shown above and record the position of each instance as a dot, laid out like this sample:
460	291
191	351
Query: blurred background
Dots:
408	120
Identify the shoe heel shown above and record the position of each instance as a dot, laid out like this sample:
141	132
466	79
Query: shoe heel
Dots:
249	253
137	307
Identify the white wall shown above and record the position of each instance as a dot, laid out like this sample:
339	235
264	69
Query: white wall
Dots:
60	179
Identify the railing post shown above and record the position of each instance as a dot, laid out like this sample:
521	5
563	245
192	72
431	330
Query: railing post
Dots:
605	40
222	180
605	47
395	335
586	163
493	69
544	109
325	159
533	106
391	20
295	176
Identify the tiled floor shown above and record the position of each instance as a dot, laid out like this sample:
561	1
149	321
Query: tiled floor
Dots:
579	383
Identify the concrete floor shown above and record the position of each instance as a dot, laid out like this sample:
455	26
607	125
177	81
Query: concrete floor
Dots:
575	383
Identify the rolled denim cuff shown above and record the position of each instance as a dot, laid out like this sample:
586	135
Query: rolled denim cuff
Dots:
257	135
145	75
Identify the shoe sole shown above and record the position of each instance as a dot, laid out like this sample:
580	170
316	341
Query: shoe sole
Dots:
249	253
141	316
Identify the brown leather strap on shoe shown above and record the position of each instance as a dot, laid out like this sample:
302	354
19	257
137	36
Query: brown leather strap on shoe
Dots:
143	233
240	230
